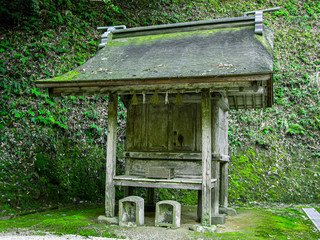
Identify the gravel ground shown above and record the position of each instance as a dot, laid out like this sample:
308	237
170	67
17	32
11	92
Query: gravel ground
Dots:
48	236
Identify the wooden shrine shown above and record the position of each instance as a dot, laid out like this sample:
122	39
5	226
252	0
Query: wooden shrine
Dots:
178	82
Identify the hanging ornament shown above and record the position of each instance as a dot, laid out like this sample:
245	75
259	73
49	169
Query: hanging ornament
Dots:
134	99
178	98
155	98
166	100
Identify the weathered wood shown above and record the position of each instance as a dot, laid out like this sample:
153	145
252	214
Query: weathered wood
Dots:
270	91
224	165
128	84
150	196
199	207
149	89
224	185
238	100
128	191
159	172
196	156
206	157
183	27
184	124
111	155
177	183
157	127
182	168
217	120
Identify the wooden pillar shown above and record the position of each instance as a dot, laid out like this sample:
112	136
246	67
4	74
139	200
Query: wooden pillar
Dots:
224	165
199	207
217	146
150	196
111	155
206	157
224	185
128	191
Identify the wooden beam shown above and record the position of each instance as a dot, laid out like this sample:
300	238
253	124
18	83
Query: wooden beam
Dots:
174	156
102	91
206	157
177	183
155	82
183	27
111	155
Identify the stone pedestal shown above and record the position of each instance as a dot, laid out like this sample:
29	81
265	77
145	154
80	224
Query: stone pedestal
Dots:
218	219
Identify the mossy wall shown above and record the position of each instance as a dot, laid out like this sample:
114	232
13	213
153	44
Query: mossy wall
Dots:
53	149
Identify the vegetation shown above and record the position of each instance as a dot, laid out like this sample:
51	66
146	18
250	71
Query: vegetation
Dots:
257	223
53	149
68	220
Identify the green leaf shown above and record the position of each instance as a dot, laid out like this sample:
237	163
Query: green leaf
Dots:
24	59
31	112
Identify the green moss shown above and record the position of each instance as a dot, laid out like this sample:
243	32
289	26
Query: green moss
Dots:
67	76
73	220
268	224
149	39
265	43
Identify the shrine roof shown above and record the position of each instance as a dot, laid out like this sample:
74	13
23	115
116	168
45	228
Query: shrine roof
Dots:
194	52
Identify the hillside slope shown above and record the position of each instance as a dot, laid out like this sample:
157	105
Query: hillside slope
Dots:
53	149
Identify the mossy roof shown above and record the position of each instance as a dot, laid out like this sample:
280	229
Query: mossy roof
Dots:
216	48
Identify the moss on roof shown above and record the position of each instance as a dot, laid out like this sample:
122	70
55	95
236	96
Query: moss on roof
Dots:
212	52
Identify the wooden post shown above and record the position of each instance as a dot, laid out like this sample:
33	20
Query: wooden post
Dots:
150	196
224	185
199	208
217	145
111	154
206	157
224	166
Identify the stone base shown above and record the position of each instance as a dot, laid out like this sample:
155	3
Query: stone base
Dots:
108	220
203	229
218	219
228	211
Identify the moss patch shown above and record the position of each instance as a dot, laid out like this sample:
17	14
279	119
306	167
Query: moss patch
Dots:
257	223
73	220
265	224
149	39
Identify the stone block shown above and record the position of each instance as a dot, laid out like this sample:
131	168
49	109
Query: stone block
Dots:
203	229
108	220
168	214
218	219
228	211
131	211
